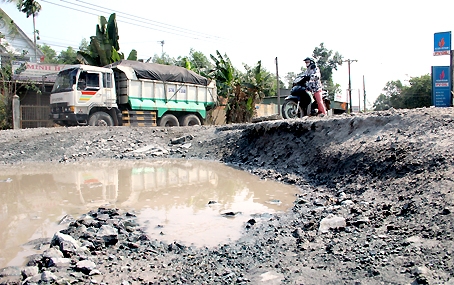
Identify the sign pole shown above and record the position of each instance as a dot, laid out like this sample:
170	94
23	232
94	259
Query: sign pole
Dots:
442	86
278	90
451	69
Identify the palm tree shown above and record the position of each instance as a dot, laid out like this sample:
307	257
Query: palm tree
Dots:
30	8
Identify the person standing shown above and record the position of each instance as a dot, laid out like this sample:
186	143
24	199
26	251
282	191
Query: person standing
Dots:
314	84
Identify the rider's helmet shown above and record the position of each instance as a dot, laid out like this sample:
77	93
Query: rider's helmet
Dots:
310	62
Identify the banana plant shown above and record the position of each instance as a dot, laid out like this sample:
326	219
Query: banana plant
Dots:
242	91
224	74
104	47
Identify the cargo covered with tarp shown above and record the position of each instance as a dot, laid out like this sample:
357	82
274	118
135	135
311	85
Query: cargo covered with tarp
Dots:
161	72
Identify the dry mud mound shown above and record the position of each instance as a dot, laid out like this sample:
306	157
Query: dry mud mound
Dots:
375	206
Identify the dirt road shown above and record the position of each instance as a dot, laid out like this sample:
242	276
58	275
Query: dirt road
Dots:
376	203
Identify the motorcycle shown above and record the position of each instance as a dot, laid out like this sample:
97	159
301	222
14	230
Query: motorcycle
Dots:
300	102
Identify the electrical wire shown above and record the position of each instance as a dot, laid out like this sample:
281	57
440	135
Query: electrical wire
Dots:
126	22
159	24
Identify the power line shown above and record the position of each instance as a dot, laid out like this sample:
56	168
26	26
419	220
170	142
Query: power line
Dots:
135	24
160	24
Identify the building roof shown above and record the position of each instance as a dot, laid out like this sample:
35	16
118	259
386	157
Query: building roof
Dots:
17	41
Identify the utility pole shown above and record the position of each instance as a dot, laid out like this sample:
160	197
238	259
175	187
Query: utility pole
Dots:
349	82
278	90
162	46
359	100
364	91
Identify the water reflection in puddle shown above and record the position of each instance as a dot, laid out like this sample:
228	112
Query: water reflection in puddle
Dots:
183	200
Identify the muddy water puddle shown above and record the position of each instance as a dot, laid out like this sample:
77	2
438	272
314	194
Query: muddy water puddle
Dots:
194	202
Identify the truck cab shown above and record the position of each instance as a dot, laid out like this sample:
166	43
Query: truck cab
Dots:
84	95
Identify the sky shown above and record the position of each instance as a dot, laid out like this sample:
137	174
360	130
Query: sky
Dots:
391	40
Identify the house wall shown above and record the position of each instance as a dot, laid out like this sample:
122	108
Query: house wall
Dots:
16	41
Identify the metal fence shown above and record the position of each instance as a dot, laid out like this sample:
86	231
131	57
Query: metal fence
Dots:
35	117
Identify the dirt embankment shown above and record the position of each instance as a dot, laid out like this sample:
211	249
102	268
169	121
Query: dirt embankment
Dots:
375	208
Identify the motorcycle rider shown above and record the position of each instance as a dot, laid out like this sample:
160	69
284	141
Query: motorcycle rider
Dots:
314	84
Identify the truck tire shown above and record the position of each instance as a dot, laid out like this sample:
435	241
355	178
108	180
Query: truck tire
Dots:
189	120
168	120
100	119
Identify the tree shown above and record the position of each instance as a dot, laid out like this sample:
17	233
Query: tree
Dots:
104	47
224	73
418	94
30	8
84	46
68	56
327	61
255	83
289	77
267	82
50	55
241	91
199	62
382	103
392	91
164	58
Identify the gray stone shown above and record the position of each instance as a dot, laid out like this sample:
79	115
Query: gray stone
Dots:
64	242
95	272
32	280
29	271
109	234
347	203
85	266
52	253
107	230
331	222
59	262
48	276
10	271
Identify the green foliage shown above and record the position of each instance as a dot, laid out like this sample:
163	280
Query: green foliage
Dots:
29	7
9	87
327	61
418	94
104	47
50	55
132	55
250	91
241	92
225	75
164	58
197	62
68	56
382	103
84	46
289	77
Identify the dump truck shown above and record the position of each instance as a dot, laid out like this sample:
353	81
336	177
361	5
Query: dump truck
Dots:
131	93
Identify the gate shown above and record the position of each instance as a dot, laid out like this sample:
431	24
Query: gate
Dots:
35	117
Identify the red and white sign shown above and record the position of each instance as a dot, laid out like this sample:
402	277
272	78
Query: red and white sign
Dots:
37	71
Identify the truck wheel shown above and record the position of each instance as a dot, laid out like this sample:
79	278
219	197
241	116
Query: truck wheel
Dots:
100	119
169	120
190	120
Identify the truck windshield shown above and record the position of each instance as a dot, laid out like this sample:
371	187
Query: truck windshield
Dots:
65	81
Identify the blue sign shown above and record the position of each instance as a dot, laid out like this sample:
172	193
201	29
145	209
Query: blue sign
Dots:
441	86
442	43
